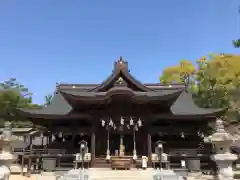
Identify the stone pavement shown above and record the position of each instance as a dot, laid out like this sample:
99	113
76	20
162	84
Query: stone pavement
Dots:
108	174
20	177
100	174
133	174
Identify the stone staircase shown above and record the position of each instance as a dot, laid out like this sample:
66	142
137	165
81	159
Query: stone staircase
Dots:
108	174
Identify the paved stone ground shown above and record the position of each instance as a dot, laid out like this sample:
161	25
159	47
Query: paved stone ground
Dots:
20	177
107	174
120	177
132	174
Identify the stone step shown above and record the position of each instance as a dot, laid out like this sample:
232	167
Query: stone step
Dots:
118	174
120	178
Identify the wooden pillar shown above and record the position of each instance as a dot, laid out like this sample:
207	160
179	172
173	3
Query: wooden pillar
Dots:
93	142
149	140
29	159
93	137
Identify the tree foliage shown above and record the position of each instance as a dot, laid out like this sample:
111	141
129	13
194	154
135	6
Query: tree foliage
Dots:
214	80
174	74
48	99
236	43
14	95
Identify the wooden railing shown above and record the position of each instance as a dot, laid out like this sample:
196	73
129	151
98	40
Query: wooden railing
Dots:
188	152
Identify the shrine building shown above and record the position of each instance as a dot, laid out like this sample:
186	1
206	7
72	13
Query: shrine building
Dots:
124	117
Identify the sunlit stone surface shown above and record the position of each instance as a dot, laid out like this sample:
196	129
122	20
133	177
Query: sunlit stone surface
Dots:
223	157
6	156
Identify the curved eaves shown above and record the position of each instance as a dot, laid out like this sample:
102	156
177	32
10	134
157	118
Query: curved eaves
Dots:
153	95
59	106
184	105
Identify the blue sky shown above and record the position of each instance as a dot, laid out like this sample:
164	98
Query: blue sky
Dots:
44	42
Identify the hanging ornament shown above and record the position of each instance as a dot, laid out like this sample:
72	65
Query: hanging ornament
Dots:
60	134
122	121
111	123
103	123
198	133
139	122
131	122
182	135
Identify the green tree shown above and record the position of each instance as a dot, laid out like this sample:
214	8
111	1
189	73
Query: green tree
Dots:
218	77
236	43
211	92
174	74
213	81
14	95
48	99
219	81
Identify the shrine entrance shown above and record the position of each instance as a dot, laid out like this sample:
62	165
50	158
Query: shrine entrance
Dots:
127	142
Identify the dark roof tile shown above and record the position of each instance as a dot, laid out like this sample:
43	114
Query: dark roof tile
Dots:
184	105
59	106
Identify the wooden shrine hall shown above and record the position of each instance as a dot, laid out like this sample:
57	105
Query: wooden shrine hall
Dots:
123	117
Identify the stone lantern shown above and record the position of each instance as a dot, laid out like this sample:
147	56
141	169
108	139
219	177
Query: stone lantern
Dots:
222	141
6	156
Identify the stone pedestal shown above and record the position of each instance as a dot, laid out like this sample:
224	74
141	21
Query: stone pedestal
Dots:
194	176
224	162
134	154
108	157
223	157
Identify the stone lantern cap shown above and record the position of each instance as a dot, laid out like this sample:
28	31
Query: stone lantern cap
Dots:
6	135
220	135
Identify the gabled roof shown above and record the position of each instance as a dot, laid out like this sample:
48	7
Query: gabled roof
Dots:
120	71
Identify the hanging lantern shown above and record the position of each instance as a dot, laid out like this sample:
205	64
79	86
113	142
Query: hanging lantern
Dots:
198	133
111	123
131	122
60	134
53	137
182	135
103	123
139	122
122	121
